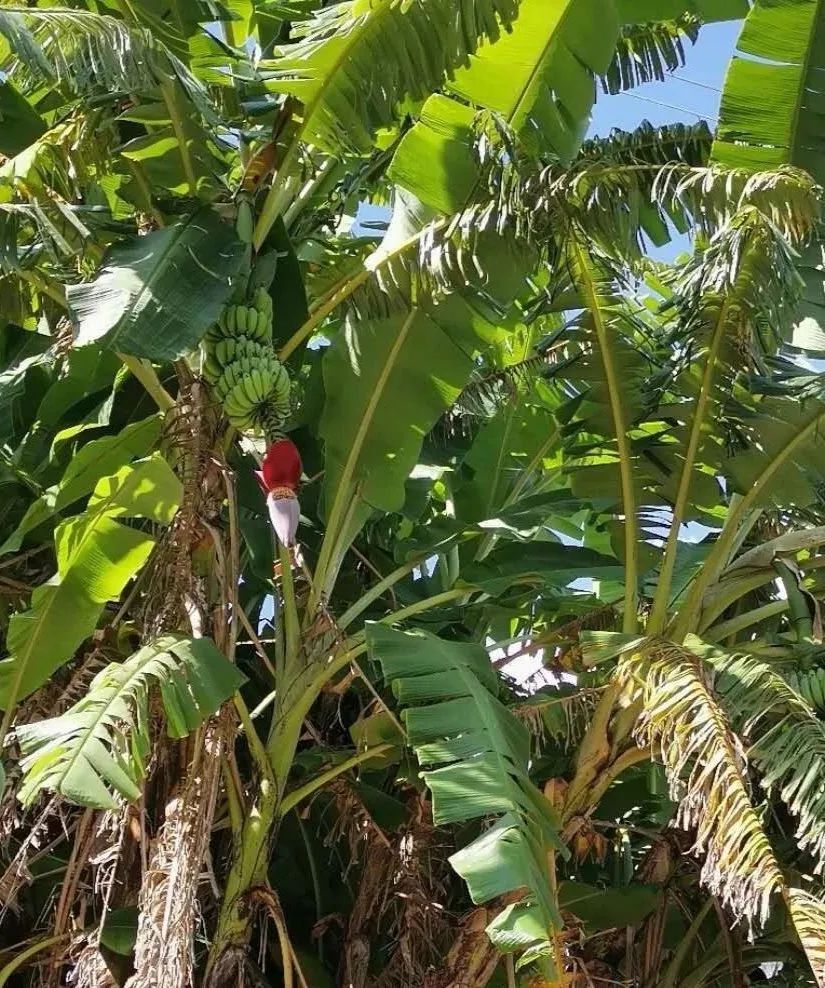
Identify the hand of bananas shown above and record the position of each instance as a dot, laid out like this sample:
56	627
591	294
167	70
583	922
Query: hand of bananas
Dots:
810	685
241	366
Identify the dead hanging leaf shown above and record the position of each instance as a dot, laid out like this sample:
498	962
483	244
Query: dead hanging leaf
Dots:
587	843
564	981
267	159
555	792
472	958
261	164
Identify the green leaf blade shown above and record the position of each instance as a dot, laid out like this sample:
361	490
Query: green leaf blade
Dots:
142	301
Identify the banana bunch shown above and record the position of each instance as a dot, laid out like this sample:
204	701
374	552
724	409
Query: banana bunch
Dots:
810	685
241	366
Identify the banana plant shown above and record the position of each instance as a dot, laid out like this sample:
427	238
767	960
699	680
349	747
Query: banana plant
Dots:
297	498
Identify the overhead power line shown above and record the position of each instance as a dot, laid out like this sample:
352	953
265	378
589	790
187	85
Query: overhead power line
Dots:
695	82
673	106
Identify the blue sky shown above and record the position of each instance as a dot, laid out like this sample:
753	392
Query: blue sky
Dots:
691	93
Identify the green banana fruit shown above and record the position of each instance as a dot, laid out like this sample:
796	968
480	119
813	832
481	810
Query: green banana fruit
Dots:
236	401
263	327
815	691
225	351
245	222
262	301
228	320
242	368
229	379
792	679
211	369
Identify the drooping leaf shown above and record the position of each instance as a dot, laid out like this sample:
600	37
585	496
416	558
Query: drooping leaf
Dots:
706	767
86	52
653	33
478	754
15	383
606	908
348	89
99	746
703	758
787	737
647	52
157	295
539	564
20	124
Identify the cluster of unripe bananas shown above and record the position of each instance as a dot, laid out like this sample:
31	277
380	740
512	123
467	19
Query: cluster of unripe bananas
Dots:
242	369
810	685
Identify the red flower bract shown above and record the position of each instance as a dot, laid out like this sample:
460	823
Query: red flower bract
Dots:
281	466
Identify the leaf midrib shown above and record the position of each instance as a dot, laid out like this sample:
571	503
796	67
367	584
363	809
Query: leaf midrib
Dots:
117	693
803	80
622	442
539	64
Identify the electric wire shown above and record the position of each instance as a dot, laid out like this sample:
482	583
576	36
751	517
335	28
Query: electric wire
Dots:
672	106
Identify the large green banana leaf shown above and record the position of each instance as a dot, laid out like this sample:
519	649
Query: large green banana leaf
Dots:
156	295
539	79
384	393
783	461
102	743
96	459
771	103
476	754
96	558
357	60
510	451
